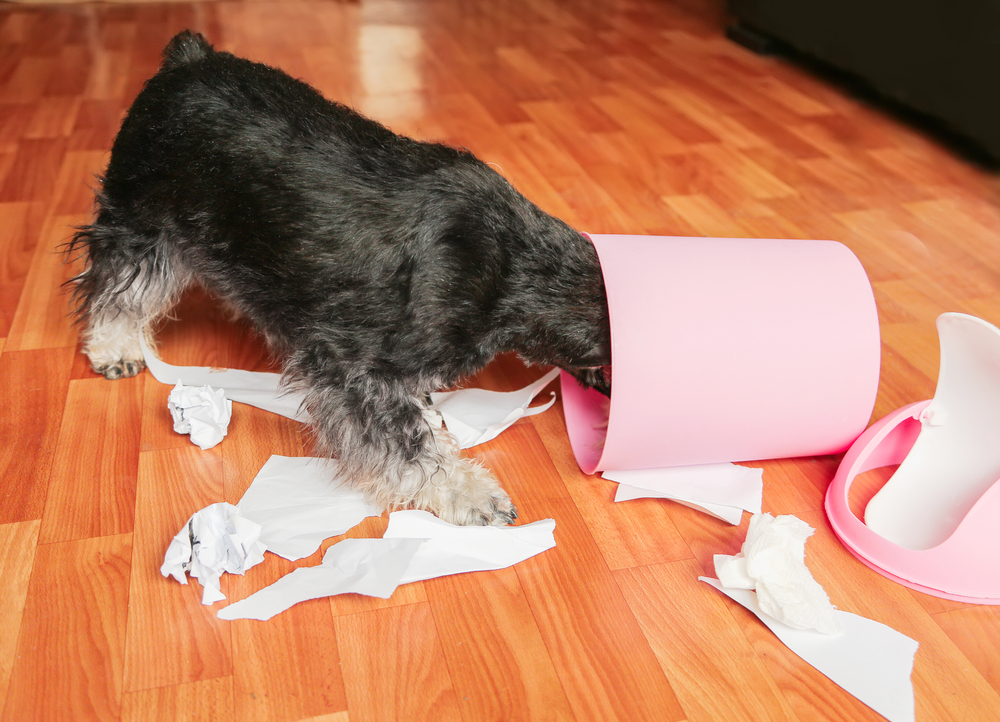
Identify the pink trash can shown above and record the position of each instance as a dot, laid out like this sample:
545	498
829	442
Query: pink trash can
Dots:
727	349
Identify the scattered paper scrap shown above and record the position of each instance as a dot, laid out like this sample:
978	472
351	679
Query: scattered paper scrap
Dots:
299	502
364	566
869	660
216	539
202	412
451	549
773	561
430	548
475	416
255	388
721	490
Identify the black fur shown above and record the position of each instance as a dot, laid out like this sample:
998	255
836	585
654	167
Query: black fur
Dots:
379	268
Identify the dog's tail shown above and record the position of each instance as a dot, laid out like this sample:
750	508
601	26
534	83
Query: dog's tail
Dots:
185	47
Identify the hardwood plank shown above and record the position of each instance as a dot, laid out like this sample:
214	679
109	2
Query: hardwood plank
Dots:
974	630
32	394
606	667
172	638
269	681
32	175
20	228
210	700
494	649
71	649
92	487
42	318
17	555
393	666
710	664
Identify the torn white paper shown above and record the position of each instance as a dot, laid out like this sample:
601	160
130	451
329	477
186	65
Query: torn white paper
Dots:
256	388
773	561
374	566
451	549
475	416
202	412
721	490
868	660
364	566
216	539
299	502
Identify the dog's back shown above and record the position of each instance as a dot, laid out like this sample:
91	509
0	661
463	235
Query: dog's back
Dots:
378	267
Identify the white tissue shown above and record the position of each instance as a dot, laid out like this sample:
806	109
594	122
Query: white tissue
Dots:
475	416
772	561
416	546
299	502
216	539
372	567
202	412
721	490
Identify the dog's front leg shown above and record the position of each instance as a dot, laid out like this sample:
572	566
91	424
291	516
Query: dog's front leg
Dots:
391	449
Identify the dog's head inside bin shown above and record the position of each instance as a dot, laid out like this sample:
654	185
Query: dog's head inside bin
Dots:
728	349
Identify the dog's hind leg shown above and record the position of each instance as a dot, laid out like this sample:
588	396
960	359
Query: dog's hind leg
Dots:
392	448
129	281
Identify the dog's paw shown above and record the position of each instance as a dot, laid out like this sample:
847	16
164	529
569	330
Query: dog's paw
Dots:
121	369
470	496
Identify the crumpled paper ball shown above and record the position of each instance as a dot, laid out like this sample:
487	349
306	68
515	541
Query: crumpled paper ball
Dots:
202	412
216	539
772	562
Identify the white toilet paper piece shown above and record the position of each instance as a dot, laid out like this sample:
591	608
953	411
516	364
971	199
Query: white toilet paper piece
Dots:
364	566
475	416
721	490
432	548
773	561
869	660
299	502
255	388
216	539
202	412
451	549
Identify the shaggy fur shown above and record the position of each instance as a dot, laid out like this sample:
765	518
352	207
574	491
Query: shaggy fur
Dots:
377	267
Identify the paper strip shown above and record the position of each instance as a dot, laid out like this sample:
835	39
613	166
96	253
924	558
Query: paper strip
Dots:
376	566
868	660
730	514
475	416
256	388
722	490
364	566
299	502
454	549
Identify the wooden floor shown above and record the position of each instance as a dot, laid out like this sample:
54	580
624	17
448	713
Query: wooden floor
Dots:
632	116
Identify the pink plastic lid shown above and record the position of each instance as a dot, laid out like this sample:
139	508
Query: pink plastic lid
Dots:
728	349
933	526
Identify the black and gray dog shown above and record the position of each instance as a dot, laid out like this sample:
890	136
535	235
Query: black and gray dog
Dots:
377	267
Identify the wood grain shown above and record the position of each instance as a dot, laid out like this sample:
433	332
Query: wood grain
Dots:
69	658
393	666
17	555
619	116
172	637
92	488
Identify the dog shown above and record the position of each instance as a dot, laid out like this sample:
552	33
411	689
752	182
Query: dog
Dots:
378	268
